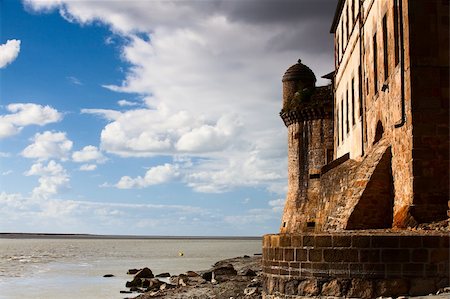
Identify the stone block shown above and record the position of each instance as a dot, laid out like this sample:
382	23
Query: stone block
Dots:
315	255
289	254
439	255
385	241
291	287
410	241
296	241
420	255
342	241
301	255
332	288
413	270
285	240
431	241
340	255
361	288
394	255
422	286
274	241
361	241
323	241
391	287
308	241
369	255
309	287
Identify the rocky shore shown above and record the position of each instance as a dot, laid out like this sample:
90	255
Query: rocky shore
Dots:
234	278
238	277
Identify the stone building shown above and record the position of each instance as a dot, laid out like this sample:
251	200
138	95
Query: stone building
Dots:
368	159
372	150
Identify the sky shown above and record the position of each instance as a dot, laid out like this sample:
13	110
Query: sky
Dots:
150	117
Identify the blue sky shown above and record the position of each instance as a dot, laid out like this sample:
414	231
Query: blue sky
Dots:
149	117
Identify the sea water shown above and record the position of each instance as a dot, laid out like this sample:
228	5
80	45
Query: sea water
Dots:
74	268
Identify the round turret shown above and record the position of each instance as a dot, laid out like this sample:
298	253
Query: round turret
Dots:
297	78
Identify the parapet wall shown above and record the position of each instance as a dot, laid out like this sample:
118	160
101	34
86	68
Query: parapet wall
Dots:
355	264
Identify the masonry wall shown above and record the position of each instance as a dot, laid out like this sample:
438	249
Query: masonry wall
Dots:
364	265
429	22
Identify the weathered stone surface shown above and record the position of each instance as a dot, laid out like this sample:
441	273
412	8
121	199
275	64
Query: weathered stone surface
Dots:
144	273
392	287
291	287
332	288
361	288
309	287
422	286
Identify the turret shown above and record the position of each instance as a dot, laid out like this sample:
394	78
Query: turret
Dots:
307	114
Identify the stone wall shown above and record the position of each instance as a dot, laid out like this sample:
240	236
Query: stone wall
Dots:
430	108
363	264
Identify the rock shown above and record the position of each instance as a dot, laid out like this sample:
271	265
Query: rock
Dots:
192	274
152	284
255	283
225	270
422	286
144	273
246	256
250	291
207	275
332	288
136	282
361	288
125	292
309	287
249	272
165	274
136	289
291	287
166	286
391	287
108	275
133	271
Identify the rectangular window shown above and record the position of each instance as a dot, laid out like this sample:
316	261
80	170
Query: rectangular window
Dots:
353	11
342	119
360	91
375	64
348	22
346	110
342	37
337	125
385	49
353	101
396	30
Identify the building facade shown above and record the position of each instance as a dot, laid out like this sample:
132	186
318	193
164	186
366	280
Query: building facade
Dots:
390	122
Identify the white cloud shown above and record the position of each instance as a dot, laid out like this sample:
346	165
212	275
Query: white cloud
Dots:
88	167
4	155
210	74
123	103
74	80
53	178
156	175
8	172
9	52
48	145
277	204
25	114
88	154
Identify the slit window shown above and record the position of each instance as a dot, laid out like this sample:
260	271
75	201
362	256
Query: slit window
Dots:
375	64
353	101
396	35
342	119
337	126
385	49
360	91
346	111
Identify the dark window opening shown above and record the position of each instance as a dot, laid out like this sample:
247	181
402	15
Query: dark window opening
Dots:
379	131
375	64
353	101
353	11
348	24
310	224
314	176
346	110
337	125
284	224
385	49
360	91
396	35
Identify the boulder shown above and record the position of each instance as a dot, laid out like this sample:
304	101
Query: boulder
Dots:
225	270
391	287
361	288
207	275
422	286
332	288
192	274
165	274
309	287
108	275
249	272
250	291
144	273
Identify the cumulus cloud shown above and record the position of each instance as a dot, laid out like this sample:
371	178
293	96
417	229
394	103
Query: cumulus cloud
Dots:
49	145
9	52
88	154
53	178
210	75
155	175
124	103
277	204
25	114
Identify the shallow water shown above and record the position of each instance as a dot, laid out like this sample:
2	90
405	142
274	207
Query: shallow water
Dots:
74	268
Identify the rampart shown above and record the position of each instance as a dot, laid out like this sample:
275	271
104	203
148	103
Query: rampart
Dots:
361	264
